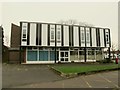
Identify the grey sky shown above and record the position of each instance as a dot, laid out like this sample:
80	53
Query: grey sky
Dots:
101	14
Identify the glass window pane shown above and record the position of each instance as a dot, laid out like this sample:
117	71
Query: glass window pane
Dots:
32	56
66	59
58	34
81	55
74	55
99	55
91	55
62	54
66	54
52	34
62	59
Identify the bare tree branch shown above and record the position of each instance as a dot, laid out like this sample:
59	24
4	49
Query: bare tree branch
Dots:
74	22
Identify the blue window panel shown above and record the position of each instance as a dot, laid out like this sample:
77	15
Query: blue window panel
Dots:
32	56
52	55
43	55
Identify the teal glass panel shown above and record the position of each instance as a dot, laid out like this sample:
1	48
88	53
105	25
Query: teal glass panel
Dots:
52	55
32	56
43	55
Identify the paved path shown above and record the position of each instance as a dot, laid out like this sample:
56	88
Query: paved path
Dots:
0	75
99	80
16	75
40	76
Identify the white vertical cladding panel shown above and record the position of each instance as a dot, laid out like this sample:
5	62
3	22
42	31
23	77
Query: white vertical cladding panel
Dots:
58	35
52	35
32	34
44	40
102	38
76	36
94	42
66	35
87	37
24	34
82	36
107	37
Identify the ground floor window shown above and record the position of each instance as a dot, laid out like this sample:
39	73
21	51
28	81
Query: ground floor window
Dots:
74	55
43	55
91	54
99	55
32	55
38	54
63	55
81	55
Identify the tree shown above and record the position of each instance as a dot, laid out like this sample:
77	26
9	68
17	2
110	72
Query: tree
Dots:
2	37
6	39
2	34
113	49
74	22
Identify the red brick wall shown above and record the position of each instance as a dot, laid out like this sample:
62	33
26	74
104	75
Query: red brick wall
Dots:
15	36
14	53
14	57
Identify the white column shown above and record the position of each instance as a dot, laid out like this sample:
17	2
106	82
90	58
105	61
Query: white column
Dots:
32	34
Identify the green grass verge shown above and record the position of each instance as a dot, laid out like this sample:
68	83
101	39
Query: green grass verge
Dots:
67	69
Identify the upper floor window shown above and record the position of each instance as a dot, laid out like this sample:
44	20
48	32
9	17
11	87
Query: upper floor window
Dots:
52	34
24	33
82	36
107	38
88	38
87	35
58	35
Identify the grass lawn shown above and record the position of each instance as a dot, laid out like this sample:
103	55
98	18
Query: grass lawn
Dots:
67	69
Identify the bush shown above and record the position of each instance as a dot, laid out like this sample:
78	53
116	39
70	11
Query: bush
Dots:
72	61
59	62
107	60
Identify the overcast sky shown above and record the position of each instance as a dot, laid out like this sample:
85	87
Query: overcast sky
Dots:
101	14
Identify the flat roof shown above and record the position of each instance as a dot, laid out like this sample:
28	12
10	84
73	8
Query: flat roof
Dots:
63	24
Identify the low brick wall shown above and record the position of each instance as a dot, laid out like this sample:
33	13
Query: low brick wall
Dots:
14	56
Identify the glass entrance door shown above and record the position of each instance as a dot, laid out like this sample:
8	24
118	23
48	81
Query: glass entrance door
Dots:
64	56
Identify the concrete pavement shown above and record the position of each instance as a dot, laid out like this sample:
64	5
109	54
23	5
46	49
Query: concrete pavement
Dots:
99	80
40	76
16	75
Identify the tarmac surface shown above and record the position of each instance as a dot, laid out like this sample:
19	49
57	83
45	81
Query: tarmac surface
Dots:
14	75
40	76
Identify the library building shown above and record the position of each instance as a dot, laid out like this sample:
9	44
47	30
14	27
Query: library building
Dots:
37	42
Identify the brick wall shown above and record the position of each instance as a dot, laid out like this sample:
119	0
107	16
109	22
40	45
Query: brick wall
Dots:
15	36
14	53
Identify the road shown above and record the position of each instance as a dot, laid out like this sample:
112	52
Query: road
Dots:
40	76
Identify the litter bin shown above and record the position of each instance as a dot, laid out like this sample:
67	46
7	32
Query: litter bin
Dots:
116	60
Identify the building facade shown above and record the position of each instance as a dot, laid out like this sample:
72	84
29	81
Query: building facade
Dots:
53	43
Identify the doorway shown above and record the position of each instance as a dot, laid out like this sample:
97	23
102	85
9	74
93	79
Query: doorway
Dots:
64	56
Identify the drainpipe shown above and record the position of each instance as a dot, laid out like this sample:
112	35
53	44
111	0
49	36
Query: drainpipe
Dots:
109	54
20	55
55	44
85	45
85	53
